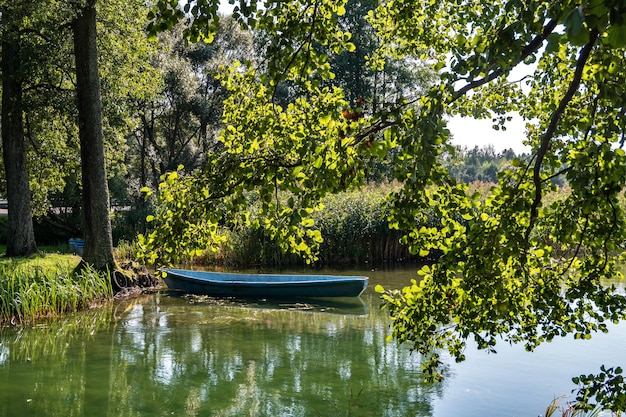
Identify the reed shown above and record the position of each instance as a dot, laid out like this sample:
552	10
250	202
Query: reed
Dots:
556	409
353	225
126	251
47	286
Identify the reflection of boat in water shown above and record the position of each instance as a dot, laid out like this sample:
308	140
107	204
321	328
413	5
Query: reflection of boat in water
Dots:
351	306
264	285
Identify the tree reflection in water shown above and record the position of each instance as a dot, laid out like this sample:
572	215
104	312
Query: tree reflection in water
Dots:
192	356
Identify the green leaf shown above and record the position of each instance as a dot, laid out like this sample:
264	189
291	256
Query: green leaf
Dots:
577	31
616	36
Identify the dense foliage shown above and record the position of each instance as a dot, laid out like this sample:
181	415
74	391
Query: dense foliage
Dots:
45	66
354	227
497	279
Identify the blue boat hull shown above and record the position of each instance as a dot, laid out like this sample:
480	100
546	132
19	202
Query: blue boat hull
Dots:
264	285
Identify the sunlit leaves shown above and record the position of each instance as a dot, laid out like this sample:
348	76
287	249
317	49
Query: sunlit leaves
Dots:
516	267
182	226
282	159
524	264
608	388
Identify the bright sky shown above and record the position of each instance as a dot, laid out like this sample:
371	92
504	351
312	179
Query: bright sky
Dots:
226	8
470	132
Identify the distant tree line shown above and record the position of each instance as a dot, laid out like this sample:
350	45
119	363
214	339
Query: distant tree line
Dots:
479	163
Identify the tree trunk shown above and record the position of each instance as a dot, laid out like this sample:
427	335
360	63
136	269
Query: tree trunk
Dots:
20	234
98	250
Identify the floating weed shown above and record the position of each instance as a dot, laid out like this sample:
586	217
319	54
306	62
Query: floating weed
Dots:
29	290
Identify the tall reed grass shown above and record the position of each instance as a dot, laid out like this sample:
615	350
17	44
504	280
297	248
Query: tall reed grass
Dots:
353	225
31	290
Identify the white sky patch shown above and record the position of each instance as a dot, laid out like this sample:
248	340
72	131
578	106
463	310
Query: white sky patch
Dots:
226	8
470	132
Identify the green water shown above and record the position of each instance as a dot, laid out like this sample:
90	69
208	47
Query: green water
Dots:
170	355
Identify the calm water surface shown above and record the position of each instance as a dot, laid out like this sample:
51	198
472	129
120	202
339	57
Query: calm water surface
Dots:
171	355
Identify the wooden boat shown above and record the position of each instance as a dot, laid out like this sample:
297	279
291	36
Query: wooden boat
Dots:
263	285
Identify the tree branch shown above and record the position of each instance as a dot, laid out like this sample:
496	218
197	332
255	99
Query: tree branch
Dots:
533	46
554	121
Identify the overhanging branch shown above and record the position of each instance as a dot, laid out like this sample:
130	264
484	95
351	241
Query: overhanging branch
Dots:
554	121
532	47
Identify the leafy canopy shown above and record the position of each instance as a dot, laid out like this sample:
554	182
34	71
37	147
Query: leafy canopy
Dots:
516	267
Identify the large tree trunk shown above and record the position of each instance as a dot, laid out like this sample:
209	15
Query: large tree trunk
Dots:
98	240
20	234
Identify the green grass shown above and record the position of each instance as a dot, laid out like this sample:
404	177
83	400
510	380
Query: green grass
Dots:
45	285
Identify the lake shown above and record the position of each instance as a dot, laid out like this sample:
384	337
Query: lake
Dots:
165	354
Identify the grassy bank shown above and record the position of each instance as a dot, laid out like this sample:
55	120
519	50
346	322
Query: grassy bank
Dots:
45	285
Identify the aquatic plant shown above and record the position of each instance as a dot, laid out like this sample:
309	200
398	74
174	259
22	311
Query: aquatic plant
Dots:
575	409
31	289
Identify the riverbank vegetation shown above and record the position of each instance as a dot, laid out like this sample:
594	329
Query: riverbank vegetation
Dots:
353	225
47	285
